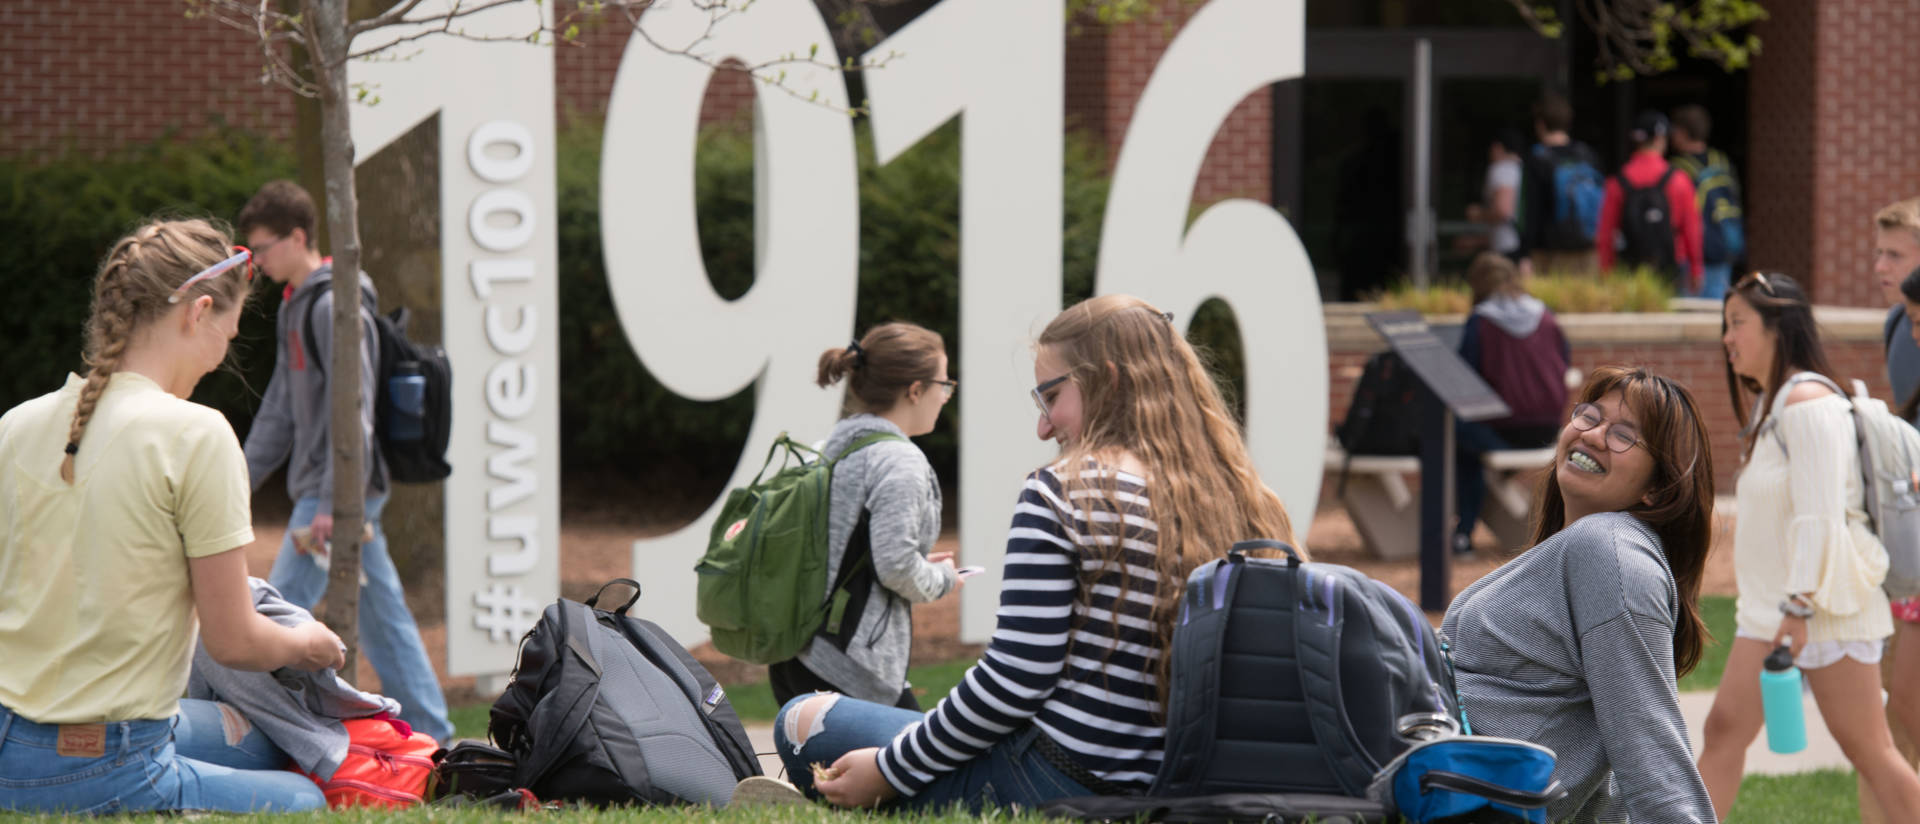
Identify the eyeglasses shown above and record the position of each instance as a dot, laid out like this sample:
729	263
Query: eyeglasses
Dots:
1040	396
241	255
1765	285
951	386
1620	436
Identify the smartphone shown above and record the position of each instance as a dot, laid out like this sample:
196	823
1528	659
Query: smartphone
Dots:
966	571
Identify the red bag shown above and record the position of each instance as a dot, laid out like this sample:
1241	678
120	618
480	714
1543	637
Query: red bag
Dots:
387	766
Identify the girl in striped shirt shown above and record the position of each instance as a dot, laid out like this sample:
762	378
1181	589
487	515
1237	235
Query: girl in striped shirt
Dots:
1153	480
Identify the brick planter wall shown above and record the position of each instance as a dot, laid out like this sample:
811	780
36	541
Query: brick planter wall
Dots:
1681	347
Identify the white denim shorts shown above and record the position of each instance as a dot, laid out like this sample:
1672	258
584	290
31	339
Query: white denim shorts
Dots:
1817	654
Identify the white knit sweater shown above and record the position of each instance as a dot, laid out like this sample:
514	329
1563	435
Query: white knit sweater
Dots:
1802	527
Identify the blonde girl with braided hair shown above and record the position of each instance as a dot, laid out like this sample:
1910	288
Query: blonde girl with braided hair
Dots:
123	512
1153	480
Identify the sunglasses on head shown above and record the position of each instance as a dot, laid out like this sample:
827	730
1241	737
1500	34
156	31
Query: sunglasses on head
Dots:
241	255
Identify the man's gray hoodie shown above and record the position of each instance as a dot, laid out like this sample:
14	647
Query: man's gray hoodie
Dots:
299	711
892	481
292	424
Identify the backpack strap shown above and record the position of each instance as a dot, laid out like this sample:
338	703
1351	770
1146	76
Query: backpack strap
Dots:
1317	627
857	559
367	303
1780	403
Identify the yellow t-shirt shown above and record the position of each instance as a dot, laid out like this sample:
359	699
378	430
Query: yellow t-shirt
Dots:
96	607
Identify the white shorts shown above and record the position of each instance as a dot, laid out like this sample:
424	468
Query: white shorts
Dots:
1817	654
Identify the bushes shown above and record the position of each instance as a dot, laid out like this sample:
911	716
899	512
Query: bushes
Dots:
1638	291
60	217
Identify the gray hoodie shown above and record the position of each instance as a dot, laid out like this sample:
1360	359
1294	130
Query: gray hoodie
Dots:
292	422
893	481
1516	315
298	711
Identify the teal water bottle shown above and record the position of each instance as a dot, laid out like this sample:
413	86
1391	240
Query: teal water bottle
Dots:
1780	696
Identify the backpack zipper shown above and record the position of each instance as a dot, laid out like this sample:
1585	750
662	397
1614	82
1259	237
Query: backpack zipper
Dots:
374	790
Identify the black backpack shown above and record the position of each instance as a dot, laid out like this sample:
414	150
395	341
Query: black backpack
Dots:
608	709
1383	418
413	437
1295	678
1646	224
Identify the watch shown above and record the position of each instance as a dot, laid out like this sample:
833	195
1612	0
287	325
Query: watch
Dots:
1792	605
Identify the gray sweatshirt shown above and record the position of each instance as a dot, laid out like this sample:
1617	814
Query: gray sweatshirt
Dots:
1570	646
292	422
298	711
893	481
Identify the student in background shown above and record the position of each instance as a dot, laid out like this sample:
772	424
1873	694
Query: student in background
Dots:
1716	189
1651	206
885	502
1500	195
1514	342
1560	195
1808	567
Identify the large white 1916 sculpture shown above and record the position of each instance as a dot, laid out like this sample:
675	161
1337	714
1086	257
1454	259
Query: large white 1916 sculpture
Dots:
802	300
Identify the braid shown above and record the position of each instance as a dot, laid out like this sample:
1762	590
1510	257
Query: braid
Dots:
107	335
139	274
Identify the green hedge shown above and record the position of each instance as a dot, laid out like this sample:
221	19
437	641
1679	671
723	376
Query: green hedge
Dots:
61	215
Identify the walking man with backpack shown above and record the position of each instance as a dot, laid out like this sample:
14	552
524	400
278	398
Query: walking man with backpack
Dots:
1896	255
291	428
1651	205
1560	195
1716	189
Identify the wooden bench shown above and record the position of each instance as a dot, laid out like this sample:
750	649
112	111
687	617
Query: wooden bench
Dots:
1386	513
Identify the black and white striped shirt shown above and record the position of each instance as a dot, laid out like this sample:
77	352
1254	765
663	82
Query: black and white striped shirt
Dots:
1062	657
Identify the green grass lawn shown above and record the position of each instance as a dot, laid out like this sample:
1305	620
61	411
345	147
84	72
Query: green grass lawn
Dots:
1718	612
1809	798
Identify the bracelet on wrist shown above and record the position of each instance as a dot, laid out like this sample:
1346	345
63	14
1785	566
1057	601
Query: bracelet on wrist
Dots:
1795	607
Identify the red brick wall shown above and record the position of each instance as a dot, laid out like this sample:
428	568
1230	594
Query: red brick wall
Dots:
1836	136
1698	366
584	72
97	74
1108	68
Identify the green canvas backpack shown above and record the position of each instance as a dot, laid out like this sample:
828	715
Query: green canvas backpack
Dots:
762	586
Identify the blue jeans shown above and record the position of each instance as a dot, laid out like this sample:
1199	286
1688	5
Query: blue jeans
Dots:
1471	441
1010	773
1714	280
142	770
388	634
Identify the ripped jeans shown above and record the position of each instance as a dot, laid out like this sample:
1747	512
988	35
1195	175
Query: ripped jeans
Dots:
1008	774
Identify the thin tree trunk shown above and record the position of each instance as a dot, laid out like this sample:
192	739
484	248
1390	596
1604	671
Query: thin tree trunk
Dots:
348	439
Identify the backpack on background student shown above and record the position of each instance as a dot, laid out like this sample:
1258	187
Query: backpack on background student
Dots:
762	586
1889	472
608	709
1578	188
1723	236
1646	225
413	400
1383	418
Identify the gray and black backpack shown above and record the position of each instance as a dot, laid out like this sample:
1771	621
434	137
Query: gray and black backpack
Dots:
1290	677
608	709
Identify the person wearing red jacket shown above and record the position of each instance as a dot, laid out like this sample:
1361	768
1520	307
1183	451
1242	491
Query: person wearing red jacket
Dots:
1645	170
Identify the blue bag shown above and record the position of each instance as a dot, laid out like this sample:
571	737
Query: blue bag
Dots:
1458	778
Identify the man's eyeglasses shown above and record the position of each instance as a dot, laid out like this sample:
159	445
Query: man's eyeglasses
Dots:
241	255
1040	395
1620	436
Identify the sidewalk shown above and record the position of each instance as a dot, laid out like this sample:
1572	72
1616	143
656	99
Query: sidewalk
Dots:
1822	751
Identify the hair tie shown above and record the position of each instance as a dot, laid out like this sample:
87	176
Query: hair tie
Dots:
73	447
859	354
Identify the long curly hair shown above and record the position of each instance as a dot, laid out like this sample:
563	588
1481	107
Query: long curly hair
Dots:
1146	392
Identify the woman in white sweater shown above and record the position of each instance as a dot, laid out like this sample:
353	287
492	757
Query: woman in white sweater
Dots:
1808	567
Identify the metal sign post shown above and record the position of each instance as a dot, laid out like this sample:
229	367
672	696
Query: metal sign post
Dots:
1451	391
